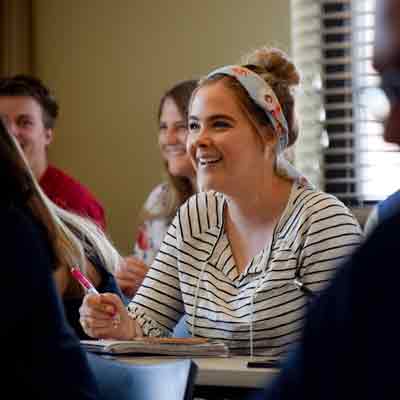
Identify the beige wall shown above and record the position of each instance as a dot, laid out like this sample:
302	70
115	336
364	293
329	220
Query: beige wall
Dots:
110	60
15	37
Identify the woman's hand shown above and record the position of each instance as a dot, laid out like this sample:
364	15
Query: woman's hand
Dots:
130	274
104	316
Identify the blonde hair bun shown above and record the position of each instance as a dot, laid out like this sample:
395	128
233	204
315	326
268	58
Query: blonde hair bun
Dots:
275	63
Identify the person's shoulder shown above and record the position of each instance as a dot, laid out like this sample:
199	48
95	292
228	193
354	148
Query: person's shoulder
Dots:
312	198
387	231
67	182
389	206
204	210
55	176
379	249
395	196
209	200
158	198
70	194
315	204
392	220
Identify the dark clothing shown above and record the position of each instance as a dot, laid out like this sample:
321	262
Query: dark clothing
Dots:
389	206
71	195
350	346
41	356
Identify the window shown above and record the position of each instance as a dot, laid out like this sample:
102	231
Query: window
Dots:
333	47
306	47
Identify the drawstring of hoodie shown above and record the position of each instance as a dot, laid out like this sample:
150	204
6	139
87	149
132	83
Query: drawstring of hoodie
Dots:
203	268
196	294
267	257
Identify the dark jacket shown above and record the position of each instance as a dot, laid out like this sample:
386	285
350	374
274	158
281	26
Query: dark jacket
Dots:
41	355
389	206
350	347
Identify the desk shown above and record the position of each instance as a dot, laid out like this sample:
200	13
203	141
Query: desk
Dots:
219	372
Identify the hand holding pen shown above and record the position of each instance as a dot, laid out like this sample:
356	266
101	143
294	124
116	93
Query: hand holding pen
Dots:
90	289
97	315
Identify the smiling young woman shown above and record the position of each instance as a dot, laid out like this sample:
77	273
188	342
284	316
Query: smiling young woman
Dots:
242	258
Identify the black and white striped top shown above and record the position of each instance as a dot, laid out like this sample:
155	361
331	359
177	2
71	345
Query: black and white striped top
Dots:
316	231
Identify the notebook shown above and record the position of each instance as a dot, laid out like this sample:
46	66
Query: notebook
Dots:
185	347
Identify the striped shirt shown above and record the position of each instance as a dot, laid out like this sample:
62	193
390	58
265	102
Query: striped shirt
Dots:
315	233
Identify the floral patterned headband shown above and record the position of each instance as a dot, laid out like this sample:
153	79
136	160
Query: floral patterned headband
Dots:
263	95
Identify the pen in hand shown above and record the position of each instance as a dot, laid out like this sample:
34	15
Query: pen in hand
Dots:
84	282
89	288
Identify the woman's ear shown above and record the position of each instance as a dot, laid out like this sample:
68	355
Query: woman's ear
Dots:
268	141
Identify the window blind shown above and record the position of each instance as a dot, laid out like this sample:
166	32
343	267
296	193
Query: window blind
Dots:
306	49
345	152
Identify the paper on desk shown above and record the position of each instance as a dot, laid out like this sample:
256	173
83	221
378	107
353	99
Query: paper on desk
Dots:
193	347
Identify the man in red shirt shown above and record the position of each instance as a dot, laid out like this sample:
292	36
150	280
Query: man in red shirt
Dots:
30	111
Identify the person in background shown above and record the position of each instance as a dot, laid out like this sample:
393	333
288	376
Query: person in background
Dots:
42	356
30	111
349	347
163	202
242	258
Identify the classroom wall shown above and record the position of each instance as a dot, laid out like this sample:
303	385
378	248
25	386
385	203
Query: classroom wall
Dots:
109	62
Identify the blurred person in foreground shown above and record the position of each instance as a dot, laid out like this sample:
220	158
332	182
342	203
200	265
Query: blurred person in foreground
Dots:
349	344
41	354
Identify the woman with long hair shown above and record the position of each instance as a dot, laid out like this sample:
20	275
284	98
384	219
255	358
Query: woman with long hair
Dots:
164	200
43	356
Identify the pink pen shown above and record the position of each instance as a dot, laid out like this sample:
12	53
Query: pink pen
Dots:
89	288
85	283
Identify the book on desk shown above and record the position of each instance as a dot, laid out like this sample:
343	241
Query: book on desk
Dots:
183	347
